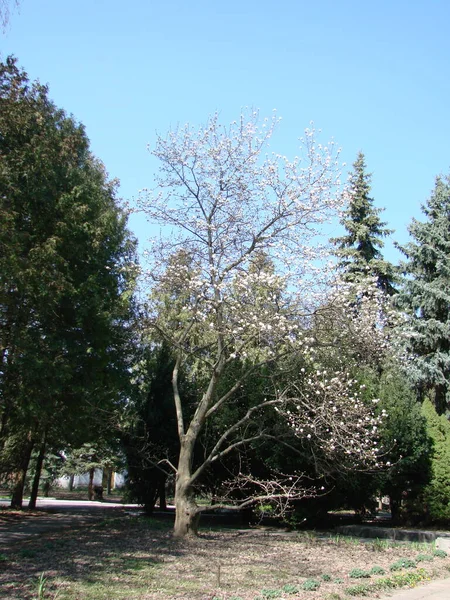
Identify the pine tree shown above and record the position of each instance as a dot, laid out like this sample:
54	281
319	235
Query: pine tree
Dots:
359	251
426	296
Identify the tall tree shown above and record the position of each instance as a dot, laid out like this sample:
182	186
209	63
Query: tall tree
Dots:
359	250
425	295
224	204
66	265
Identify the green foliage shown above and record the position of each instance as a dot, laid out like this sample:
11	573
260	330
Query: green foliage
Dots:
425	295
377	570
325	577
270	593
436	495
289	588
403	563
67	275
41	586
400	580
358	574
359	250
424	557
440	553
404	435
310	585
361	589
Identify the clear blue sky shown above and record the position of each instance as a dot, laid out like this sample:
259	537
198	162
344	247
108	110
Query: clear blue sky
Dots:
372	75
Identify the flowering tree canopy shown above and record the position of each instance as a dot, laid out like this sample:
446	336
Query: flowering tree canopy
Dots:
237	270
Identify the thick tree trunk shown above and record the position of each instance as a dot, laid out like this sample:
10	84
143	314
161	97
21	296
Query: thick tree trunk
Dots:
37	475
71	480
17	493
186	510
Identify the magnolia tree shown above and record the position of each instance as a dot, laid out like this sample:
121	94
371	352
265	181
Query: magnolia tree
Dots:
224	206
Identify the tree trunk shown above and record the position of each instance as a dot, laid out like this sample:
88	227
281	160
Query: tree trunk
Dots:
17	493
91	484
162	493
37	475
71	480
186	510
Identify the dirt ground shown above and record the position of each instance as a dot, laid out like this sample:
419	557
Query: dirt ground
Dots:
131	558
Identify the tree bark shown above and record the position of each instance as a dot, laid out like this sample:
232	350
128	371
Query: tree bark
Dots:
187	515
17	493
91	484
37	475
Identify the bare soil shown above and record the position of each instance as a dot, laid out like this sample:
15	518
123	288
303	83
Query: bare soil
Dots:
131	558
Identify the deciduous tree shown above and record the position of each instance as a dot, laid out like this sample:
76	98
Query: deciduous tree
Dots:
221	202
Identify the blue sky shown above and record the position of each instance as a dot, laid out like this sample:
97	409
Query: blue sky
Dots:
374	76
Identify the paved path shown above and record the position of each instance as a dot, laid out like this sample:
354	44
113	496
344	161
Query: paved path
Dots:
435	590
56	515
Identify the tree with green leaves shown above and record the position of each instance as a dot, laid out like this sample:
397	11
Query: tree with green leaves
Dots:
425	296
67	273
358	251
436	496
405	437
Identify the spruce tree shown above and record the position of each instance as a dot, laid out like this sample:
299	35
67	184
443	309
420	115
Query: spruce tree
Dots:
426	296
359	250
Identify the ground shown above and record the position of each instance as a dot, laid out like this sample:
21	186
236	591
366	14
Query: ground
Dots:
131	558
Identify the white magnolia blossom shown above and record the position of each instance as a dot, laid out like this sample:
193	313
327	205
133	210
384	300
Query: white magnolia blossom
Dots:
238	275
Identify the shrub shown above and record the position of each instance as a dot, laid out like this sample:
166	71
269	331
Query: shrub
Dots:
377	571
358	590
270	593
424	557
403	563
289	589
325	577
310	585
358	574
440	553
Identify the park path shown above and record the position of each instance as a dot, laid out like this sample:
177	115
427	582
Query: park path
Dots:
57	515
435	590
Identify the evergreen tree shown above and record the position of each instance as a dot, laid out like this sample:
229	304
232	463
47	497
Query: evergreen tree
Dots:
66	277
437	493
425	295
359	250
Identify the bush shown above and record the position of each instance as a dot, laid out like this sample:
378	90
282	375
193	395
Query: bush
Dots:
358	590
403	563
289	589
358	574
377	571
310	585
424	557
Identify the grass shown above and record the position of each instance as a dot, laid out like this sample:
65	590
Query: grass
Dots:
137	558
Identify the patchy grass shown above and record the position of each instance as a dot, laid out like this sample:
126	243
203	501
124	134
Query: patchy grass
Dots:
138	559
